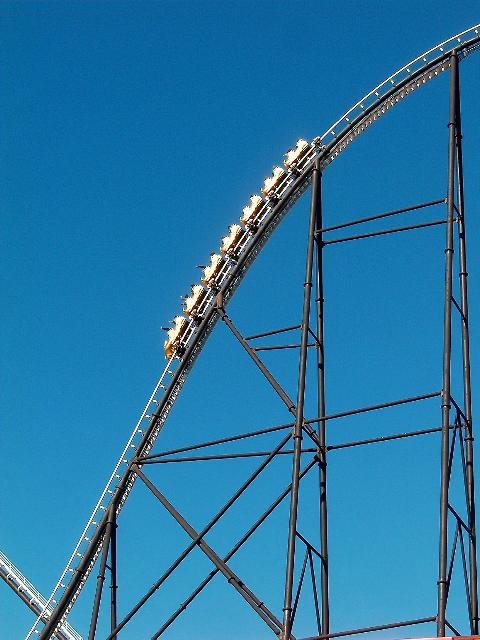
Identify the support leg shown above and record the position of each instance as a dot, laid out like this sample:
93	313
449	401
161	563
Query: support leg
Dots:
467	389
113	572
447	352
100	578
322	451
297	431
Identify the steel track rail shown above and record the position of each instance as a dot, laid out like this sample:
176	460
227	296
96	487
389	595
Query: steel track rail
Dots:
334	141
34	600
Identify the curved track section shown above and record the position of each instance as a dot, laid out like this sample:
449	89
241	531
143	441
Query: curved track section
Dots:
32	597
325	150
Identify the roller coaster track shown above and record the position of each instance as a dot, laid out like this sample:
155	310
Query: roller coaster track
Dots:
324	150
32	597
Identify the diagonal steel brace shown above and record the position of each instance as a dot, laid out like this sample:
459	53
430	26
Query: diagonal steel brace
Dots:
256	604
270	378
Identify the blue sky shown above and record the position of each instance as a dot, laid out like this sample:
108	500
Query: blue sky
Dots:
133	134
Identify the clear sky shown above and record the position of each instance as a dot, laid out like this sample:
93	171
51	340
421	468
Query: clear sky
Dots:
133	134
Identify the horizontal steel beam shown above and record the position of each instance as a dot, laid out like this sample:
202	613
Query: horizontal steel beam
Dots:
382	627
386	232
273	333
381	216
211	443
224	456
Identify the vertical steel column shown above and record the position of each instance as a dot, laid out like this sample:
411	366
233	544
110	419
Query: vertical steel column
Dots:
467	389
100	578
322	451
297	430
447	353
113	572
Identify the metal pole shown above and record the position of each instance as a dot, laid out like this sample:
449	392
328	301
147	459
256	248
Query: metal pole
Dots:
113	572
447	352
381	216
100	578
224	456
297	431
300	585
386	232
314	590
376	407
467	389
322	451
382	627
251	352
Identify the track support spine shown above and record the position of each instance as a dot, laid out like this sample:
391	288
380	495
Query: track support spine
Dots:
299	420
322	449
447	357
467	390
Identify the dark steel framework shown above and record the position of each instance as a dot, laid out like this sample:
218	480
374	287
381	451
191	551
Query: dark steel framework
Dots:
456	433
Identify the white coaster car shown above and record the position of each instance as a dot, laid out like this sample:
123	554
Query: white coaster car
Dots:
273	183
296	158
175	335
231	244
193	304
213	271
252	213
